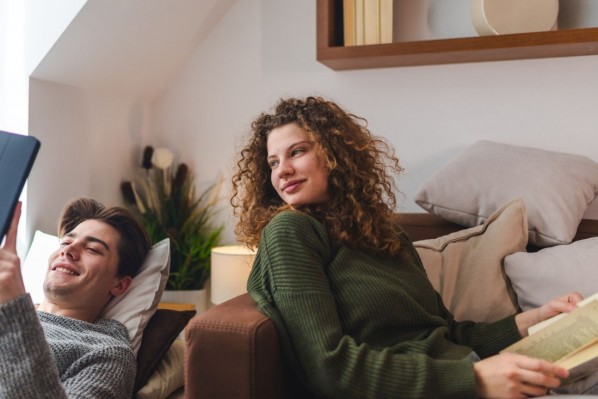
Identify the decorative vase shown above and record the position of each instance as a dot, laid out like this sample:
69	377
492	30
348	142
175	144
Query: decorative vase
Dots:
498	17
199	298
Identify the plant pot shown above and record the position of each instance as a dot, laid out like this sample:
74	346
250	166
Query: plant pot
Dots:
199	298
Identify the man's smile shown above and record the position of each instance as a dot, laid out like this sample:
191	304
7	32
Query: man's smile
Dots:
65	269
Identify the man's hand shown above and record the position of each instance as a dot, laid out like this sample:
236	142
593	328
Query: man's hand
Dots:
510	375
11	280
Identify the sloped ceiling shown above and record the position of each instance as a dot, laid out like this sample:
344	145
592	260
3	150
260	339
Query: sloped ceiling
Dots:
132	46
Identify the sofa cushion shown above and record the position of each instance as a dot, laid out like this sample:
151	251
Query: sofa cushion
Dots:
466	267
541	276
556	187
138	304
162	330
167	376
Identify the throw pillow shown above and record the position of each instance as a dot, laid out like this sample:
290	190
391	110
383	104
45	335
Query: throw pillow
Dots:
466	267
138	304
541	276
168	376
133	309
36	262
556	187
161	331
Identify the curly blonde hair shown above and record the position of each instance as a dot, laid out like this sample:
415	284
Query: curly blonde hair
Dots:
361	190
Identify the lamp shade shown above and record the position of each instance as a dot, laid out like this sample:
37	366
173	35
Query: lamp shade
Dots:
231	265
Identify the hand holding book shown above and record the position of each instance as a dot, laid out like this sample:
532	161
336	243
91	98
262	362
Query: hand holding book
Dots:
569	340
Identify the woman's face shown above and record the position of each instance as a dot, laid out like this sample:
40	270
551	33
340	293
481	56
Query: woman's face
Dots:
298	173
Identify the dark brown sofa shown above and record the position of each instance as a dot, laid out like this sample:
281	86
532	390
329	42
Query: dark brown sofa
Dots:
232	349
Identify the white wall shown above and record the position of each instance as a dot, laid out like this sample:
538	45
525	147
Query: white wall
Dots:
91	80
46	21
265	49
90	143
27	31
13	79
262	50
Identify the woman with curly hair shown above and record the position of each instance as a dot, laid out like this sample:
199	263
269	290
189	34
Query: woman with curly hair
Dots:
355	313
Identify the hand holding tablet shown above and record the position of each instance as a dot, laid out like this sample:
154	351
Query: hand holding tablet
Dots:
17	154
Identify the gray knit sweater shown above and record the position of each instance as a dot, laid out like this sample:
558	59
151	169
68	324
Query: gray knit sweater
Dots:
48	356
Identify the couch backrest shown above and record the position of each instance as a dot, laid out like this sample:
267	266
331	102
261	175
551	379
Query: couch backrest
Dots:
422	226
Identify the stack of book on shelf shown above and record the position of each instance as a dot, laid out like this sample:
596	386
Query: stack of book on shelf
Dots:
367	22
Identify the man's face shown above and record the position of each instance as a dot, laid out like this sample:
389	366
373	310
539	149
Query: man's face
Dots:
84	268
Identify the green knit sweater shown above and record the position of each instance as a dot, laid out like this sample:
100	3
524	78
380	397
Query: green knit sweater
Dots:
359	325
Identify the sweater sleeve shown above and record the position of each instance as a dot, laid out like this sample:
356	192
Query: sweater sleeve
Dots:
27	369
290	285
486	339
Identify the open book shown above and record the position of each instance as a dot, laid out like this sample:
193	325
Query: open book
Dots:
568	339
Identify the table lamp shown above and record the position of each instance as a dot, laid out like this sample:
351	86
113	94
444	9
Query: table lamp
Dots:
231	265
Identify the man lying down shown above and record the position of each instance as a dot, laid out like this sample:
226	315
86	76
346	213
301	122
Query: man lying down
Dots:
64	350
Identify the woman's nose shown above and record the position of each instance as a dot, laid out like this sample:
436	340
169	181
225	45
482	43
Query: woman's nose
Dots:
285	168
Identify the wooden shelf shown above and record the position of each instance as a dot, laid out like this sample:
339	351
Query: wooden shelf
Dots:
330	50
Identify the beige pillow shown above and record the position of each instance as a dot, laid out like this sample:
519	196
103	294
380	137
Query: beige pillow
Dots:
557	188
168	376
541	276
466	267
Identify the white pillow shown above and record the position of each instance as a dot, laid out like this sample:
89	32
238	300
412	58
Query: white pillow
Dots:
138	304
541	276
36	263
556	187
134	308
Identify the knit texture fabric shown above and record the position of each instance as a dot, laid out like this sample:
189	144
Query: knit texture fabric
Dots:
50	356
360	325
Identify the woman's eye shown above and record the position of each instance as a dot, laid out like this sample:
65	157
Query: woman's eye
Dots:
273	164
297	151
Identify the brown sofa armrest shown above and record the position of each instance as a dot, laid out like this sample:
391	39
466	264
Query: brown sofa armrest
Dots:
232	352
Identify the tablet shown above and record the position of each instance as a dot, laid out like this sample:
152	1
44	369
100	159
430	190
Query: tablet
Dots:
17	153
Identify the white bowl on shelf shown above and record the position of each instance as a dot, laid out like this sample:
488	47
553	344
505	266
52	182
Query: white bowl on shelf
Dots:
499	17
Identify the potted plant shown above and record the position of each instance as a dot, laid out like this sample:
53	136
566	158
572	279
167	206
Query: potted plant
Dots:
163	198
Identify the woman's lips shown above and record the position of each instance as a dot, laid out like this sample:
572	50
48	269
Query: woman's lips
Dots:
291	186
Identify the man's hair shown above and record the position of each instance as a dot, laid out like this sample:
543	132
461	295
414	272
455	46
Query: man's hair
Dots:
134	242
359	166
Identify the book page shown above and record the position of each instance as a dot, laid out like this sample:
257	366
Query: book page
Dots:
565	336
586	361
537	327
582	356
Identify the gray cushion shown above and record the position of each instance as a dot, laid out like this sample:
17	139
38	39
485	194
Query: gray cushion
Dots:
541	276
556	188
